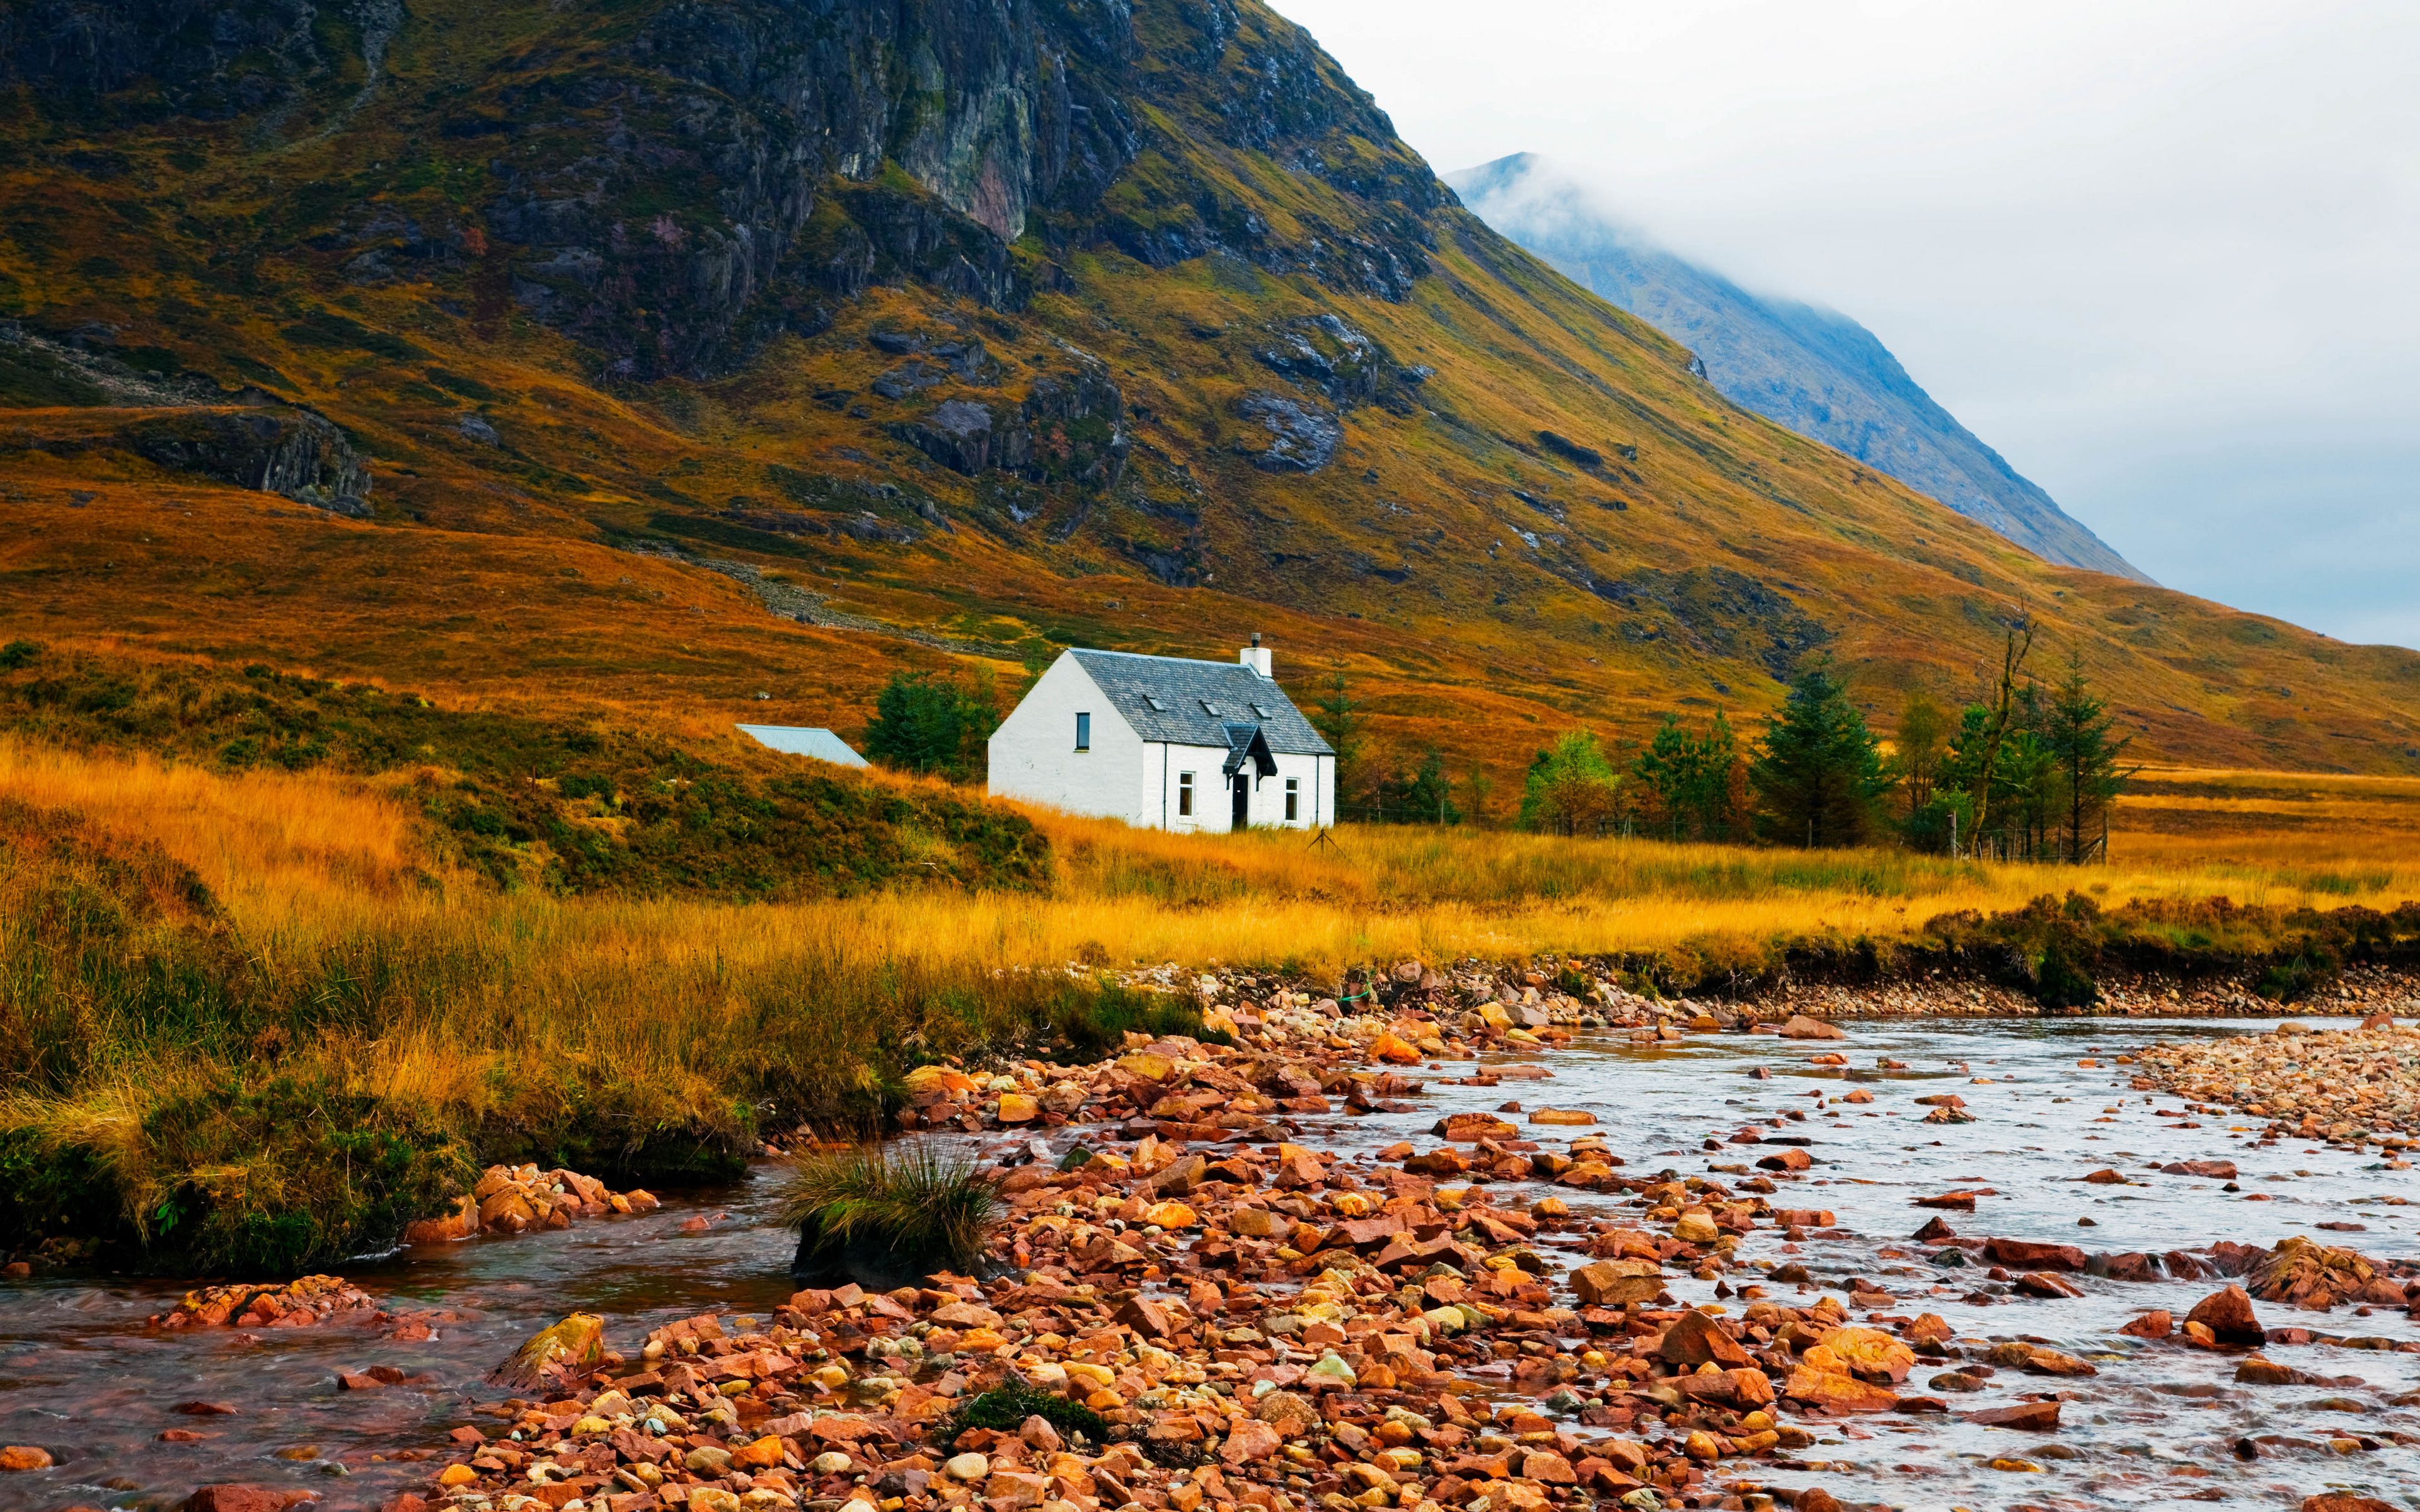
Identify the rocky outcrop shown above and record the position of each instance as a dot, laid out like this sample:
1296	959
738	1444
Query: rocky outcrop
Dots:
1724	612
1302	438
1070	427
1346	366
293	453
212	59
730	171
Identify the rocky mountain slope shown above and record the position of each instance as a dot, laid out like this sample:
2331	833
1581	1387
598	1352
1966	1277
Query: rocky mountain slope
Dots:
1814	370
711	361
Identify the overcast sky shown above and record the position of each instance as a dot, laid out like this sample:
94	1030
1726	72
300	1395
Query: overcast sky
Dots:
2164	256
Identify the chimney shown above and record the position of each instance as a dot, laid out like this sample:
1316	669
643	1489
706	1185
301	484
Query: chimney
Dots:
1256	655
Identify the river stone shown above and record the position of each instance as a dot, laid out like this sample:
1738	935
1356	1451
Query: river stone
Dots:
2041	1417
2228	1316
1695	1340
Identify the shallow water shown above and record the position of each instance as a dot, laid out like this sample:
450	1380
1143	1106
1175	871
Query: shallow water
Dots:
82	1375
2159	1424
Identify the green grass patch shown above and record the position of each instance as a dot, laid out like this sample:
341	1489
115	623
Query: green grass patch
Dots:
1004	1409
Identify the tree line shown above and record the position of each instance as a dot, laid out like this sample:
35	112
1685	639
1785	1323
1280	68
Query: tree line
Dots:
2029	772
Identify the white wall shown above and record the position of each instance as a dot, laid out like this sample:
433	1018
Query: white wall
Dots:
1033	754
1213	801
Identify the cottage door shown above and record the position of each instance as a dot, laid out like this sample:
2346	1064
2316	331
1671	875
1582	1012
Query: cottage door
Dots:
1242	816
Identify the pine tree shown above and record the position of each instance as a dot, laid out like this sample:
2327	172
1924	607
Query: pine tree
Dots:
935	726
1338	719
1427	798
1690	776
2077	732
1819	769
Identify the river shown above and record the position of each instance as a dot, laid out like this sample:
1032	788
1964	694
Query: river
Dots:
81	1374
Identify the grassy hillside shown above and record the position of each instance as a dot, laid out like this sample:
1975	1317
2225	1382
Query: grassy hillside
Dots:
678	356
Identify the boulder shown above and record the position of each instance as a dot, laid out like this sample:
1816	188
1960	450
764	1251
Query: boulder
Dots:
1801	1027
2155	1324
1696	1339
1866	1353
2228	1316
1616	1283
231	1498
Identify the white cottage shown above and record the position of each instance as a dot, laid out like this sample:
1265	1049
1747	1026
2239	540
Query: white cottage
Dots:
1166	744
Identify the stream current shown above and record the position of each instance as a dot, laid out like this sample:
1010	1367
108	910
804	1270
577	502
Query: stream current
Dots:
83	1376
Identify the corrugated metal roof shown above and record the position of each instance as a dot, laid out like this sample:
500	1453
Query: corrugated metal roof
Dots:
798	740
1192	702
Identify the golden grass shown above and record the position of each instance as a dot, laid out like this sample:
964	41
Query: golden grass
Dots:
273	838
316	862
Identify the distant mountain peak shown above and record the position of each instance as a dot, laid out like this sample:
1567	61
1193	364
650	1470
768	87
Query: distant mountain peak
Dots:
1813	369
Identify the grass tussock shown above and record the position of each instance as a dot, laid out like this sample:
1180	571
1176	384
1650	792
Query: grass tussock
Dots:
913	1210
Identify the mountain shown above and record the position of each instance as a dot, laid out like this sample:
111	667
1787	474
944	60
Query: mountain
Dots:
1814	370
695	363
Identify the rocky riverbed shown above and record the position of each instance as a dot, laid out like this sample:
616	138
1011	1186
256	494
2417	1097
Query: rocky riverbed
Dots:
1489	1255
2357	1086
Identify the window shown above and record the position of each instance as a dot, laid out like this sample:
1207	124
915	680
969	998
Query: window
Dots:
1083	731
1294	799
1153	705
1209	708
1260	713
1185	794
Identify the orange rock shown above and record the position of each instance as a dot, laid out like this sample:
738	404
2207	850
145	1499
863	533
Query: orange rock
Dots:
1249	1440
1866	1352
1695	1340
2228	1316
1395	1050
2155	1324
1838	1392
761	1454
1016	1107
1613	1283
23	1457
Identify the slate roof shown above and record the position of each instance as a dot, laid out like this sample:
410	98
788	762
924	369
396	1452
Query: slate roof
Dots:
1196	700
795	740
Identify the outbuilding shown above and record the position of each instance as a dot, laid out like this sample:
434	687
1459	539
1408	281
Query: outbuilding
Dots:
1167	743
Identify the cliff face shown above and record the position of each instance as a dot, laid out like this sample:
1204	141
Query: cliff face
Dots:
948	325
1815	371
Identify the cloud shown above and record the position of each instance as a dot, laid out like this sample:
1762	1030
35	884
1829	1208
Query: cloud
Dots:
2159	254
